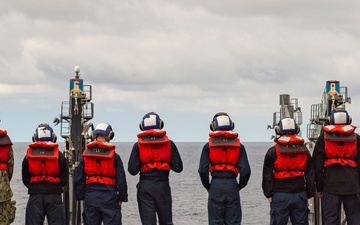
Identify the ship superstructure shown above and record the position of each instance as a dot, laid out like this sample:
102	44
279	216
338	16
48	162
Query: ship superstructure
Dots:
334	96
75	128
289	108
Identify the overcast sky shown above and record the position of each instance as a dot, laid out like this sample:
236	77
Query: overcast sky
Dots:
185	60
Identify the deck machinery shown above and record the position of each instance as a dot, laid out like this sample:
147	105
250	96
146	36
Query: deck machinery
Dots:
75	128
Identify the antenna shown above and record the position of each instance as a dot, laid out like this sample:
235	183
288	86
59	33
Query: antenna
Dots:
77	71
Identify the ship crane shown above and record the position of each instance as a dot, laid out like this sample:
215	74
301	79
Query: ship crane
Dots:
75	128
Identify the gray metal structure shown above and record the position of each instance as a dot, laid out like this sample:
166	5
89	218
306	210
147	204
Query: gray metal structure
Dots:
289	108
75	128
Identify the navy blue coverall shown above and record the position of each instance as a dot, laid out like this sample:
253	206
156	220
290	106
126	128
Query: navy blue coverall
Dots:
224	198
289	195
339	184
45	197
153	189
101	201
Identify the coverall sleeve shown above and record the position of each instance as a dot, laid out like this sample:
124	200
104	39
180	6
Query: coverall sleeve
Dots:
358	154
11	163
64	170
319	159
176	163
134	160
245	170
121	180
80	181
204	166
310	177
268	168
25	172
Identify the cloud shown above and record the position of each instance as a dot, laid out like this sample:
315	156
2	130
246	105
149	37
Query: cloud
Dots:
195	57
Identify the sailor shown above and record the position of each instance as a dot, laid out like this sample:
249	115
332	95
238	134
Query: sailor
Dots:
100	179
44	172
226	159
337	165
154	155
288	176
7	207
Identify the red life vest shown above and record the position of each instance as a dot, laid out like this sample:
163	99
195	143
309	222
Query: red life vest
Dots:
291	157
154	150
4	157
99	165
340	145
224	151
43	159
5	144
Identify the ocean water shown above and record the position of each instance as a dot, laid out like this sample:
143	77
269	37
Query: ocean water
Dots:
189	196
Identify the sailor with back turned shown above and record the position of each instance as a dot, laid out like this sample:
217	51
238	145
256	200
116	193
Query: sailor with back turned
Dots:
44	172
288	176
225	158
337	168
153	156
100	180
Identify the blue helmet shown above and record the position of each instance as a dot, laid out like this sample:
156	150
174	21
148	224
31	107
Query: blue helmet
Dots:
339	117
221	121
44	133
287	126
103	129
151	120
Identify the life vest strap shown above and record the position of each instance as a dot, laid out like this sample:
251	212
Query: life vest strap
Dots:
152	161
100	175
340	157
223	163
289	170
45	174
